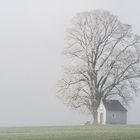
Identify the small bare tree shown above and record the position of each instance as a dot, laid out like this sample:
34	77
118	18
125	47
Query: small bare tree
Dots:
104	61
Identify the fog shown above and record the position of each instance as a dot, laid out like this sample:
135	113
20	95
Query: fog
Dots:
31	41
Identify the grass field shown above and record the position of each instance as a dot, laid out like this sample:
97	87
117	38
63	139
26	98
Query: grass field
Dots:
110	132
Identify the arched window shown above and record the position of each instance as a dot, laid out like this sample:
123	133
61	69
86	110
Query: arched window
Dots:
113	115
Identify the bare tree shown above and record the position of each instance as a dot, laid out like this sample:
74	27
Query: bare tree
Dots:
104	62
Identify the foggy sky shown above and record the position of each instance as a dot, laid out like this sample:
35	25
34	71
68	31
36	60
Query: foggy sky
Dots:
31	41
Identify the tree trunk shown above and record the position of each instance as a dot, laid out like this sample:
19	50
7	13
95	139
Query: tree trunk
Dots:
94	114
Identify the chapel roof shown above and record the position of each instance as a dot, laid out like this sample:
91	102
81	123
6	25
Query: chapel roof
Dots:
114	105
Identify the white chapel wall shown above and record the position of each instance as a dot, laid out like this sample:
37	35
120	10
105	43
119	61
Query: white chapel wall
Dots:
101	109
116	117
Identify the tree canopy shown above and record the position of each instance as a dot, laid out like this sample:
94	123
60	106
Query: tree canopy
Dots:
104	57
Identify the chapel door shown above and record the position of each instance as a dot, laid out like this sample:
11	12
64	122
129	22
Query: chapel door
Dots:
101	118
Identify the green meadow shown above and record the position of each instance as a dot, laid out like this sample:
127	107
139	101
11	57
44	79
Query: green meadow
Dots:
99	132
